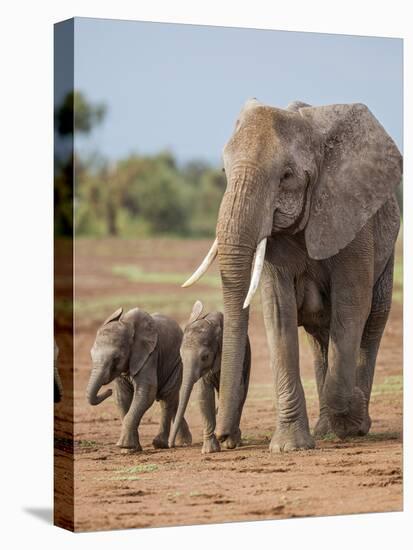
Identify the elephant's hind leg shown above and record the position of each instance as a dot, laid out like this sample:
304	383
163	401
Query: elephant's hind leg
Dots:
318	340
372	335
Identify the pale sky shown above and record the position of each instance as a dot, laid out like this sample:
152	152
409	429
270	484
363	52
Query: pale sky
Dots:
180	87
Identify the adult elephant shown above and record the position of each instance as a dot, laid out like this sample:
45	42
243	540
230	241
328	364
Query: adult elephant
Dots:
311	191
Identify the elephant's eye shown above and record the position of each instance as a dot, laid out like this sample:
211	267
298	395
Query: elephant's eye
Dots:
204	357
287	175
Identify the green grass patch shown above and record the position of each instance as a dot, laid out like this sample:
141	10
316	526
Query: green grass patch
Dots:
135	274
391	384
86	443
375	436
139	468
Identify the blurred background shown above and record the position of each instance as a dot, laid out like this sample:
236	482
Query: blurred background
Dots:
155	103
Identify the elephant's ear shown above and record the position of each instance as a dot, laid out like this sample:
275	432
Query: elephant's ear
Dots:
360	170
115	316
196	312
145	338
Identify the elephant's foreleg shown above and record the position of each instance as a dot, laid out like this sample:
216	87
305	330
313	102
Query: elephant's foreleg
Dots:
123	395
280	317
206	400
143	398
318	340
373	331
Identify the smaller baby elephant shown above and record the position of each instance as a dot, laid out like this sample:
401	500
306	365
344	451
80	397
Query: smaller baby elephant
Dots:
201	356
141	353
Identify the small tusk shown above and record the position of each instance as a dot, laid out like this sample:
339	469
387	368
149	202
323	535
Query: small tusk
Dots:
256	274
209	258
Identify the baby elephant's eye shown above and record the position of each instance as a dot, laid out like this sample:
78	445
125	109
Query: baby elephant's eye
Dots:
287	174
204	357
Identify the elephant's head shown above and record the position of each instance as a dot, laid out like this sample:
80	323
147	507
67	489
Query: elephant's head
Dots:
123	345
323	171
200	352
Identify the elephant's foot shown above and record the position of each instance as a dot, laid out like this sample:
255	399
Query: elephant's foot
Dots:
160	441
291	437
232	441
355	420
365	426
184	437
129	440
323	427
211	445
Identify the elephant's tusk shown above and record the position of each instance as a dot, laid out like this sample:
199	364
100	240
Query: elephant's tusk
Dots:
209	258
256	274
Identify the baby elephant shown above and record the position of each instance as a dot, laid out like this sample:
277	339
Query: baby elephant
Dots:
141	353
201	356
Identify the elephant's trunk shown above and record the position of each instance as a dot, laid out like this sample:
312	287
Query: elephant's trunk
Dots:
95	383
235	272
242	223
184	395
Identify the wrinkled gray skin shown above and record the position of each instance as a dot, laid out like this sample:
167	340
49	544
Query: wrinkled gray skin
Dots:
319	183
57	383
140	352
201	356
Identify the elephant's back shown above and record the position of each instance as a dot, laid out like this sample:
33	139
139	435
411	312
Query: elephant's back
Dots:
168	328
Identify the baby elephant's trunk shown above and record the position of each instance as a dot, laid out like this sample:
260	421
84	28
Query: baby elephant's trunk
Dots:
95	383
184	396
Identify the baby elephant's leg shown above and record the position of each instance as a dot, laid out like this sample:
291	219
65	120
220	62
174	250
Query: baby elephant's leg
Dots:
143	397
169	407
123	395
206	398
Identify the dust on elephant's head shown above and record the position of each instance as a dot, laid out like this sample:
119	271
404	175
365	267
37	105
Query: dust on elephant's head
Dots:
123	344
326	170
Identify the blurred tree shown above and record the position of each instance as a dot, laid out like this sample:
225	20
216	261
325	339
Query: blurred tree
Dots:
76	114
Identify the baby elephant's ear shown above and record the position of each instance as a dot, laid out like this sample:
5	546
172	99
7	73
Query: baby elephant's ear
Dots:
196	311
144	341
115	316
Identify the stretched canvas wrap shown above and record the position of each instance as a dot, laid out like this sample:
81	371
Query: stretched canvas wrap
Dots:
228	274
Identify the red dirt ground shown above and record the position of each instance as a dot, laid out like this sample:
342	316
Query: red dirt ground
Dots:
182	487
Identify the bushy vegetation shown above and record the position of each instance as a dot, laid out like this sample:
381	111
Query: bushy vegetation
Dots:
147	195
137	196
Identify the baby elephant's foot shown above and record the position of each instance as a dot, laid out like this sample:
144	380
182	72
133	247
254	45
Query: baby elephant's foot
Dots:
291	437
129	440
355	420
232	441
323	427
211	445
160	441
